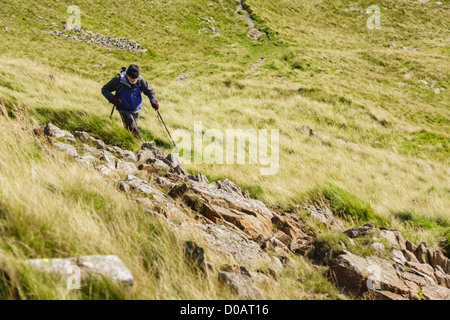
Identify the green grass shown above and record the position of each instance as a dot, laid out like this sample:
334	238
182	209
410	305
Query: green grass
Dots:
323	69
346	205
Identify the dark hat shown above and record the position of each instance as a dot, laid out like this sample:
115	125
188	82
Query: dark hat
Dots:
133	71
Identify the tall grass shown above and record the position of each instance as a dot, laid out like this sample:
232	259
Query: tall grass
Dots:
328	72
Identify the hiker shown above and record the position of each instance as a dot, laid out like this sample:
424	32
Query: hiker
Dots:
128	85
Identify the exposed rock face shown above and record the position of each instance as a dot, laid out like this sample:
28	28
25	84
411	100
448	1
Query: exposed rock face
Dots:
224	201
234	243
110	267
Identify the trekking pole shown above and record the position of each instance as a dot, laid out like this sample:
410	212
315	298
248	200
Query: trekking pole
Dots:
167	130
112	111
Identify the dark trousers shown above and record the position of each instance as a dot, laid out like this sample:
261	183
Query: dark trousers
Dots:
130	121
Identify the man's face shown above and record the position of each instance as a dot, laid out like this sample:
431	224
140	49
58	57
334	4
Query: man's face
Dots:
131	80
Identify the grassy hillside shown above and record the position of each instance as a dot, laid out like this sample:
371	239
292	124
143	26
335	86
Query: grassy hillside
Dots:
323	69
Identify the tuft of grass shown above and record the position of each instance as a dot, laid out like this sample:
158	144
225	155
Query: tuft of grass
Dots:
346	205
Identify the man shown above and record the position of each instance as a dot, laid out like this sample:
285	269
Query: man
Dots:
129	85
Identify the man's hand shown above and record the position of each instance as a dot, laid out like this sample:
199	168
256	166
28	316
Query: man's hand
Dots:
155	105
116	101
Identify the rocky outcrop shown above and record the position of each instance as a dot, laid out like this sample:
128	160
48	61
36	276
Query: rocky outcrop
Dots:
413	272
255	234
224	201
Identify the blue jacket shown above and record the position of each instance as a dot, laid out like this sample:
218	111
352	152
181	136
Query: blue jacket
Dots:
130	94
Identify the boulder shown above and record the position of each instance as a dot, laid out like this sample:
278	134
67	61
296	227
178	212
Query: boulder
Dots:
409	256
67	148
174	160
390	236
108	158
435	292
140	185
126	155
99	144
358	231
378	247
181	171
442	278
91	150
422	252
126	167
356	275
84	137
53	131
143	155
110	267
241	285
107	172
158	153
198	178
159	165
86	159
382	295
165	183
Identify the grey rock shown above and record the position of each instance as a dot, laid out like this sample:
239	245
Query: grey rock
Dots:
144	154
84	137
123	154
324	215
241	285
435	292
151	145
109	158
219	202
122	186
159	164
67	148
99	144
233	243
107	171
91	150
174	160
53	131
181	171
109	266
140	185
357	231
126	167
86	159
390	237
195	255
199	178
260	279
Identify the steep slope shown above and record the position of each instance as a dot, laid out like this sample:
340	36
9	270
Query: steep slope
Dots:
376	99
